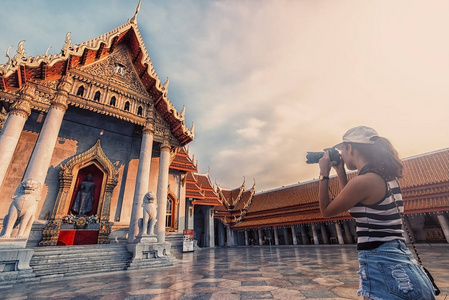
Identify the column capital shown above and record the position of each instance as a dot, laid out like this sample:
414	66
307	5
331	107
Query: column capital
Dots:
165	146
22	106
148	128
64	87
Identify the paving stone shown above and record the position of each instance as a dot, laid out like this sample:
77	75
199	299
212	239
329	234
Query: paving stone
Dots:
253	283
256	295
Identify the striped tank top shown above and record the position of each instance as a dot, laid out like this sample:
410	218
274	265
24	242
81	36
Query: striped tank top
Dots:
380	222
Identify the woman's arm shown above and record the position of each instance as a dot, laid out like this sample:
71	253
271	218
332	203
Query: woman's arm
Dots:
360	188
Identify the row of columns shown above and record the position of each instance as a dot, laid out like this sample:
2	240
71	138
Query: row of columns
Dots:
291	238
342	235
40	159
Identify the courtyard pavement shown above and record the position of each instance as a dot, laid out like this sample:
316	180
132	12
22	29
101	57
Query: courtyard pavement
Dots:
283	272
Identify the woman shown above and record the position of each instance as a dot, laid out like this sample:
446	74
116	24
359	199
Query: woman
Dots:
387	268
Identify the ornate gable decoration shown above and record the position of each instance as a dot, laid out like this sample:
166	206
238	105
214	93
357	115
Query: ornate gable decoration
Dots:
117	68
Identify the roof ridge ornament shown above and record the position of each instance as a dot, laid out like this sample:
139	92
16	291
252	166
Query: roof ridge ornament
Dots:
134	18
67	45
21	54
9	57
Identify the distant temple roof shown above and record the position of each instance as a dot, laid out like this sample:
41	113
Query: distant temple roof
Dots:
183	162
235	204
425	187
200	190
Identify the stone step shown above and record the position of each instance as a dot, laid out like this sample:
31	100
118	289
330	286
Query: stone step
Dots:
74	265
80	271
48	262
75	249
150	263
9	278
84	256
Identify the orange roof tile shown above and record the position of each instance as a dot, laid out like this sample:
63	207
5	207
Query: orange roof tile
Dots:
183	162
198	187
425	169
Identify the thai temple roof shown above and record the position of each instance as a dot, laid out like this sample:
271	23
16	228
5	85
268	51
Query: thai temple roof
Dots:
200	190
235	203
210	196
21	69
183	162
425	187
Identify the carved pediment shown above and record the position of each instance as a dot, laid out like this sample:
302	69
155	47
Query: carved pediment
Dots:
118	68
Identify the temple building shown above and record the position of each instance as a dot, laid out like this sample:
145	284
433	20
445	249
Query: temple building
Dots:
91	147
291	215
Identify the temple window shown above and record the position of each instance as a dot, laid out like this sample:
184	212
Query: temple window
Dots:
97	96
112	102
127	106
168	215
80	91
139	111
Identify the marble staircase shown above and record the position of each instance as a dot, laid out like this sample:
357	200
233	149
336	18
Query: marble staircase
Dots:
57	262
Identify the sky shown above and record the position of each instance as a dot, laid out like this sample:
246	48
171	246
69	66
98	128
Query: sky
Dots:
267	81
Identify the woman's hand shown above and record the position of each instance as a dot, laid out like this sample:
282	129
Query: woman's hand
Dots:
325	164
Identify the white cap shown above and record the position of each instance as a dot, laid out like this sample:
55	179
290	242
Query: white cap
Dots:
359	135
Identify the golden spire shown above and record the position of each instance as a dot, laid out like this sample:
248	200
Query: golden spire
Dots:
134	18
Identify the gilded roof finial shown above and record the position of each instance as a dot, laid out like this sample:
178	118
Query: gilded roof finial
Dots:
134	18
7	55
21	54
165	87
46	52
67	45
183	112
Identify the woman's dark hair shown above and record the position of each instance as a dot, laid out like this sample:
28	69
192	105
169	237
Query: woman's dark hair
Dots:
382	157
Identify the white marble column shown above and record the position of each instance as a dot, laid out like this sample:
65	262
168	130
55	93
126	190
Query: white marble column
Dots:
347	232
162	191
316	241
259	233
339	234
324	234
190	215
305	240
182	203
142	181
13	127
221	234
286	238
246	238
229	236
294	240
444	225
209	226
43	150
276	236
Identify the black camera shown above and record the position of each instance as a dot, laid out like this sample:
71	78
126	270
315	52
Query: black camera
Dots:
314	157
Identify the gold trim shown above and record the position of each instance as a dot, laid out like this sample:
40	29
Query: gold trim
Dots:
67	180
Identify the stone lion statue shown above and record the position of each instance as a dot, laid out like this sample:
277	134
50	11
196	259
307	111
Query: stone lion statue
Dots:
149	214
22	209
